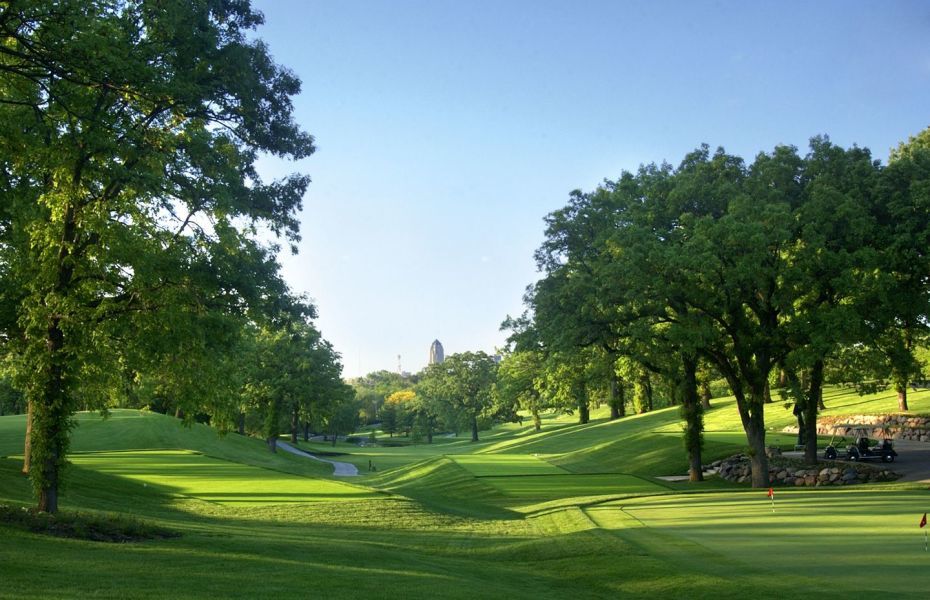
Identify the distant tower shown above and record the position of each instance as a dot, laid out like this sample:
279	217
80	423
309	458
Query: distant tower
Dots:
436	354
399	370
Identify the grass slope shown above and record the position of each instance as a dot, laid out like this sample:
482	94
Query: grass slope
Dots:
569	511
127	429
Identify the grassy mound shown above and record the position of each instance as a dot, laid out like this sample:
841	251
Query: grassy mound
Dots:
445	485
126	429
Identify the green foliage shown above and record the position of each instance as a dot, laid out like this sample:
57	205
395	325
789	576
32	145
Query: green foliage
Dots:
912	148
374	388
130	136
460	389
520	382
785	263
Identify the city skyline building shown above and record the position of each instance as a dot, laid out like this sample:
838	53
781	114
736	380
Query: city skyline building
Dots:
436	353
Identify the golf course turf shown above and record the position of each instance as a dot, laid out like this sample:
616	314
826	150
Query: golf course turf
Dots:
571	511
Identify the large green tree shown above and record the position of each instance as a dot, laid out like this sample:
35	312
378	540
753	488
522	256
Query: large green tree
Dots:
519	382
900	315
833	260
463	386
131	131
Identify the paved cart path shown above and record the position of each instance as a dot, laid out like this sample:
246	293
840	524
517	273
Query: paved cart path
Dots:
913	460
341	469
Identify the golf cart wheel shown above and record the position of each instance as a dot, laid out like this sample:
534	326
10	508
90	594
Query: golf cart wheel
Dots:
888	458
830	453
852	454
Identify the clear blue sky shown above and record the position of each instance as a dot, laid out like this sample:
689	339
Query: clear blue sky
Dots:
446	130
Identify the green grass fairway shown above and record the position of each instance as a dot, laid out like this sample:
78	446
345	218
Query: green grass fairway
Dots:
572	511
181	472
540	488
482	465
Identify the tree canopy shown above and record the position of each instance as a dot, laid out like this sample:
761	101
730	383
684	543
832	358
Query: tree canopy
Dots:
781	264
128	231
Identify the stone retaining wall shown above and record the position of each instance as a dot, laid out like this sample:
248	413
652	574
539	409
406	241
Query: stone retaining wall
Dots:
789	472
899	427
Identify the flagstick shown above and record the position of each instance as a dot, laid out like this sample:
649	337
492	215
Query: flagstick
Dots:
925	540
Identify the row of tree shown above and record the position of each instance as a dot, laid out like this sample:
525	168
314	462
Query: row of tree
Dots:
459	394
794	268
134	262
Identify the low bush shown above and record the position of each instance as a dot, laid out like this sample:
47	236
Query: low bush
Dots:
85	526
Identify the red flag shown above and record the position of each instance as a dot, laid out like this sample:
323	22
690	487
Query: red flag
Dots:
772	495
923	522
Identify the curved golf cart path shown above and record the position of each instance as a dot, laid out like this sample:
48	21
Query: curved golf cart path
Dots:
341	469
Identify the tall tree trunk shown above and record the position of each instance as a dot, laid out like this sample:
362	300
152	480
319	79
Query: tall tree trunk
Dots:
584	413
272	442
767	393
648	390
753	421
901	376
693	413
295	423
241	428
759	461
581	399
50	412
50	425
617	399
537	422
705	395
27	450
429	430
901	388
801	398
474	428
811	406
306	431
643	392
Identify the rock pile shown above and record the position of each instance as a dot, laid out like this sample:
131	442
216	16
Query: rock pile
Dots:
788	472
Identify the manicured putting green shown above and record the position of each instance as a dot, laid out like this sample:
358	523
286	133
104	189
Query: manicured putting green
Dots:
551	487
484	465
191	474
867	538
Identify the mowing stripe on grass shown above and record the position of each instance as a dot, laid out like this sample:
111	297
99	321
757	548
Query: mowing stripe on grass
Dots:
492	465
543	487
214	480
